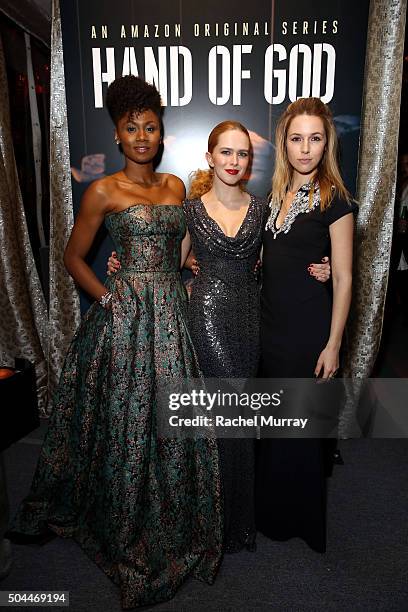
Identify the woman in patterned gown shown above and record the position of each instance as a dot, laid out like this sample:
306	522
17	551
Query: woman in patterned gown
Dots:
147	510
301	322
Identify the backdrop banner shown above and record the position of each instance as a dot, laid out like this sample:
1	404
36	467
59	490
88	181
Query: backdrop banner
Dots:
209	65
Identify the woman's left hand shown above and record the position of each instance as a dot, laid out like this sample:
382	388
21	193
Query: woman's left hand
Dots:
328	362
192	264
321	271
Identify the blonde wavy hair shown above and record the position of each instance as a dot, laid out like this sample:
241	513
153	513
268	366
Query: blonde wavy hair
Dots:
327	173
201	181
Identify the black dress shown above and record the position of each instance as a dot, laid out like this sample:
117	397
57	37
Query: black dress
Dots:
224	326
295	327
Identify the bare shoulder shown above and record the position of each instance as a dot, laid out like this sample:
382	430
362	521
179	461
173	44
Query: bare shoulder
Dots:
175	184
102	187
97	196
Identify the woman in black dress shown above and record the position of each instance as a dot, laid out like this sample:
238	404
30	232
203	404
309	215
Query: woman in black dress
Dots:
302	323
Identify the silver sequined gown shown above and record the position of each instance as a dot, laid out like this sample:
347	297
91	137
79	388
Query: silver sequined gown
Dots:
224	326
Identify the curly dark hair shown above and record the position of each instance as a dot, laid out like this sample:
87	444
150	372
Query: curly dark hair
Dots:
131	94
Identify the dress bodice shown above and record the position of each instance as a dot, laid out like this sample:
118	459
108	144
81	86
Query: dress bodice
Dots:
302	239
220	255
147	237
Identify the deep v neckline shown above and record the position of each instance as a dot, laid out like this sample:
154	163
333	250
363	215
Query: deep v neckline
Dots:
219	228
294	199
300	204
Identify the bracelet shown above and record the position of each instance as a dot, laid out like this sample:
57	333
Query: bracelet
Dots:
105	299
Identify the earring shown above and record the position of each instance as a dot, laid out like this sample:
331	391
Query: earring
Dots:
117	141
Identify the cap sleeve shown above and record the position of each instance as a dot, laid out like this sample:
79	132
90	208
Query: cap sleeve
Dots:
339	208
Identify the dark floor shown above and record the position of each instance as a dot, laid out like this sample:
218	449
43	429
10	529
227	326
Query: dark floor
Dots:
365	567
392	359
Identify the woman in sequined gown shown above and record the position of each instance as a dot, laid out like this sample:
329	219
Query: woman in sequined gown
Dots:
225	224
146	510
301	322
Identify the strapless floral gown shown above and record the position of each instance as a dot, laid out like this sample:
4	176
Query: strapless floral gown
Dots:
146	510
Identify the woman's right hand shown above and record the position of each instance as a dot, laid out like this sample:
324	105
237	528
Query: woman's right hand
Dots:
113	264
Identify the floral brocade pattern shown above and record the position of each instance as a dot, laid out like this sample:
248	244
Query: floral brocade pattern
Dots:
146	510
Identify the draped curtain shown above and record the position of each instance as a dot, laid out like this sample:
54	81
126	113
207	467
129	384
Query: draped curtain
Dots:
375	195
26	329
64	313
23	320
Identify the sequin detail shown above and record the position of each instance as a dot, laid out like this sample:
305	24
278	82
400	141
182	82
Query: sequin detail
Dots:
146	510
301	204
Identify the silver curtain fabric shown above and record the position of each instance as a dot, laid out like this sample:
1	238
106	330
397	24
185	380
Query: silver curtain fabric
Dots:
376	193
64	315
23	321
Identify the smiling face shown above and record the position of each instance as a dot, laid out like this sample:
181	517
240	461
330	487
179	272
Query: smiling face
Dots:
139	136
230	157
305	144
